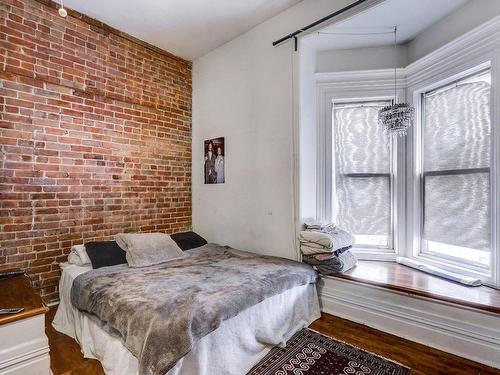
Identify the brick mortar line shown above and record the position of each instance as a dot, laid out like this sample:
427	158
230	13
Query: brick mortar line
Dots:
5	74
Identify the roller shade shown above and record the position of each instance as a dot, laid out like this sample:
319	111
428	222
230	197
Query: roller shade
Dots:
362	161
456	160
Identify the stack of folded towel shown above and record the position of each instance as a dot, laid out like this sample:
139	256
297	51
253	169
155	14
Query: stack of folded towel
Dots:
326	247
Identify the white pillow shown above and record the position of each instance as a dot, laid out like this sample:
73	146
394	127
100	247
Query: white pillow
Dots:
148	249
73	258
78	256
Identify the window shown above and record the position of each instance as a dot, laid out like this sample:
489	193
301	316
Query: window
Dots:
434	195
455	173
363	173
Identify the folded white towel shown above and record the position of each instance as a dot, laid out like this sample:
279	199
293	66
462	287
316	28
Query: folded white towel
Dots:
315	242
312	250
316	238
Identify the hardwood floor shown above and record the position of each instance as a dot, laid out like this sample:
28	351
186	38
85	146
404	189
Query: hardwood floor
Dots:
422	359
65	355
67	359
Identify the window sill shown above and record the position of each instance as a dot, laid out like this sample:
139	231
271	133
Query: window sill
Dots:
390	275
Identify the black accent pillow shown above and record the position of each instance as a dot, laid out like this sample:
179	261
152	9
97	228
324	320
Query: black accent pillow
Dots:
105	254
188	240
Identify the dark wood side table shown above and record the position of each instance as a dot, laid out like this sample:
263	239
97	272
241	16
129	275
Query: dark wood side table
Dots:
24	347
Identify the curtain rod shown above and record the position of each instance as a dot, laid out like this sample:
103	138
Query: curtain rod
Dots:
316	23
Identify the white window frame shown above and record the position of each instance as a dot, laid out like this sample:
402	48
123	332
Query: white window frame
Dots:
476	50
453	265
355	87
418	251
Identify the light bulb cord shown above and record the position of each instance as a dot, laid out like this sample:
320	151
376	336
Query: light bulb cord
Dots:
395	63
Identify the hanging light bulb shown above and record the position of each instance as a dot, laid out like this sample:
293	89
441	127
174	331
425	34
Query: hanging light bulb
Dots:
397	117
62	12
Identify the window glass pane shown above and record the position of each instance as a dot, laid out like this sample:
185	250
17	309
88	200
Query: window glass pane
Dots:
362	173
364	209
361	145
456	159
457	127
457	213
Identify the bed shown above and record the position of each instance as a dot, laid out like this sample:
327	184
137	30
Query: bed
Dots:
234	347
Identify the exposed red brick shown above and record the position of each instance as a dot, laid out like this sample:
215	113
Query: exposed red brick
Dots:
95	137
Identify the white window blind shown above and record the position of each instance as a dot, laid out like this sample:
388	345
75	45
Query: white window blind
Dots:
456	171
362	163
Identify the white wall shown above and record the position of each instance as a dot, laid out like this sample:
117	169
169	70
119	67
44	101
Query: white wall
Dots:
471	15
457	23
361	59
308	133
243	91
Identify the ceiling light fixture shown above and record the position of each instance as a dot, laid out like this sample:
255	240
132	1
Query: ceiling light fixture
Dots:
397	117
62	12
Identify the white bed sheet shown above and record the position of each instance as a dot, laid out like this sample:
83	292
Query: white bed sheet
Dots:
232	349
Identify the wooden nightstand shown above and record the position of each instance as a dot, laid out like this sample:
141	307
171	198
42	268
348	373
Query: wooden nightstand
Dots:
24	348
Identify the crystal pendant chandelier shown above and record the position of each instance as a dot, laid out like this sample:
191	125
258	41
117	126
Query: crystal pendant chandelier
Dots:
397	117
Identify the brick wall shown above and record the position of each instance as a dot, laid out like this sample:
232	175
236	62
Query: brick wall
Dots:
95	137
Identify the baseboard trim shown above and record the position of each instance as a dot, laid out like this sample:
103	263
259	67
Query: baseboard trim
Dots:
466	332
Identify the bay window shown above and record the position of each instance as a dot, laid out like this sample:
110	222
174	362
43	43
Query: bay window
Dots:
433	195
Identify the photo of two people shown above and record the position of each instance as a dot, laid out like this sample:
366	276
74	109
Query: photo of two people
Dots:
214	161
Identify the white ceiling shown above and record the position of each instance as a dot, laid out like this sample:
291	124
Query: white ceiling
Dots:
186	28
410	16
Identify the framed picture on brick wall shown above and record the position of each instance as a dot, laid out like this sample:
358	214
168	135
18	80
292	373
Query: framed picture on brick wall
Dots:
215	159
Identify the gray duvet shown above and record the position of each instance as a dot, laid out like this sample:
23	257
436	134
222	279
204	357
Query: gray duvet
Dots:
161	311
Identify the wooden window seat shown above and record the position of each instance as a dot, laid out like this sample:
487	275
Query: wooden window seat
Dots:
391	275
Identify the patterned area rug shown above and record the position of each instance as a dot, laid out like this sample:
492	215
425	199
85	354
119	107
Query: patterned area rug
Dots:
310	353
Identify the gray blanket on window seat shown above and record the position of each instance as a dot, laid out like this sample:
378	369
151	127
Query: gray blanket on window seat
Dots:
161	311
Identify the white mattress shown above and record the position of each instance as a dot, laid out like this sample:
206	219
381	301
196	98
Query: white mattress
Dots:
232	349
